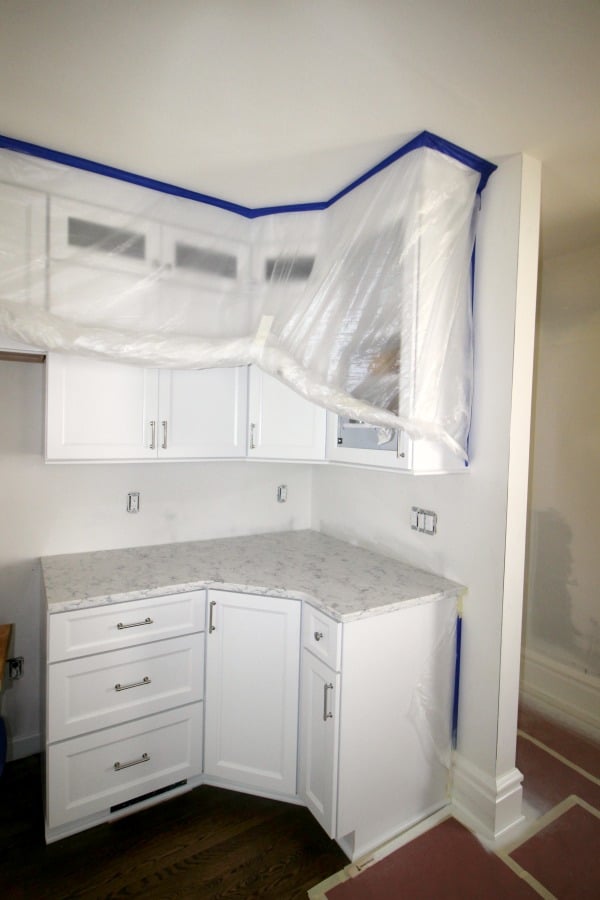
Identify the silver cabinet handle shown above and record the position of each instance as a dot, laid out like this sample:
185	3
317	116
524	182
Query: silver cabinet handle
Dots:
153	435
318	635
164	428
326	715
211	627
252	440
147	621
125	687
134	762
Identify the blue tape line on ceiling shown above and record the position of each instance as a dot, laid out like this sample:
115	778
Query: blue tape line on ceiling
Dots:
424	139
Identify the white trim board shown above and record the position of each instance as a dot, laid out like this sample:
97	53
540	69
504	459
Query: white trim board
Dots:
561	692
487	806
20	747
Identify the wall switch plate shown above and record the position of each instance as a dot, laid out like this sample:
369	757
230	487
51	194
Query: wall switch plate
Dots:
282	493
423	520
133	502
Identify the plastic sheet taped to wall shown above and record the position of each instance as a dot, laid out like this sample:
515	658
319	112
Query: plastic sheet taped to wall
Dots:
361	303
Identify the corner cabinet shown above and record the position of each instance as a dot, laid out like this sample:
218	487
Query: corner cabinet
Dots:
98	410
281	423
252	675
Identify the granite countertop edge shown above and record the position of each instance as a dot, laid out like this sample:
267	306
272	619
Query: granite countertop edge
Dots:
349	582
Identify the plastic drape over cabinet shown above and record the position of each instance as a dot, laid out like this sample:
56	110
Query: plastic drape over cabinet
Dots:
363	307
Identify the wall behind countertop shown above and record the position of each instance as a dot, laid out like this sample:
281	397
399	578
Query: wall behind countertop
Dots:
67	508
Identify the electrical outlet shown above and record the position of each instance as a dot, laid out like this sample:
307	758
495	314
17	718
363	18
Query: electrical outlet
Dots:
423	520
15	667
133	502
282	493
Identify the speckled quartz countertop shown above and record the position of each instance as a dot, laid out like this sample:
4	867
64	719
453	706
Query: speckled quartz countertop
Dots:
345	581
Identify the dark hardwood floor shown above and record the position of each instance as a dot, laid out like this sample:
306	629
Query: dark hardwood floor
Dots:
209	843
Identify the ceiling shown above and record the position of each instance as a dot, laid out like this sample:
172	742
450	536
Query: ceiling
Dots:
287	100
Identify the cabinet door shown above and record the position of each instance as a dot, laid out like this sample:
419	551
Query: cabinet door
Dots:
252	674
22	245
104	265
99	410
202	413
282	424
319	724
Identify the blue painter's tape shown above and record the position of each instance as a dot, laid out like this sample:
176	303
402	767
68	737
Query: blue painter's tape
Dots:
456	682
425	139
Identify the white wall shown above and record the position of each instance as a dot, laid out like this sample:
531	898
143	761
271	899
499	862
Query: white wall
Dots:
48	509
476	544
562	635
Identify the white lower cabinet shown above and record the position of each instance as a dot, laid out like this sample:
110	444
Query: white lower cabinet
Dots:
94	773
319	740
252	680
358	728
124	710
376	729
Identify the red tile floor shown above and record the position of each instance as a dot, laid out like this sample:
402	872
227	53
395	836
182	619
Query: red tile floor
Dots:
557	856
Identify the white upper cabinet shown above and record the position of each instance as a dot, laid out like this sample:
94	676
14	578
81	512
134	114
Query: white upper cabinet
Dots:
281	423
96	236
22	245
103	265
99	410
104	410
202	413
351	441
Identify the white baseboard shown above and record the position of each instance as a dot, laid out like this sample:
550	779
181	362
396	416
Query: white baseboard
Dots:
487	805
18	748
561	692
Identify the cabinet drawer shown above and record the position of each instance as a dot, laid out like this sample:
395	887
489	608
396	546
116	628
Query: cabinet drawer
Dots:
323	637
106	689
91	774
81	632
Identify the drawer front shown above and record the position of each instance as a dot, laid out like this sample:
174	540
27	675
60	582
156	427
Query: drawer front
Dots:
81	632
90	774
322	636
106	689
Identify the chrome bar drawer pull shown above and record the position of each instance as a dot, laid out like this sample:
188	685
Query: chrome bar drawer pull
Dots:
153	435
318	635
211	627
134	762
326	715
252	438
147	621
125	687
164	427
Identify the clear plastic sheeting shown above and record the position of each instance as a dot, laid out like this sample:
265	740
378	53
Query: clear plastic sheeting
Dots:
363	306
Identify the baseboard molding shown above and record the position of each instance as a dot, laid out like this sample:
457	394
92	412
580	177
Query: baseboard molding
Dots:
487	805
561	692
18	748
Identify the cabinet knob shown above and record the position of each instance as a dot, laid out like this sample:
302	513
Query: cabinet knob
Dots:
318	635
